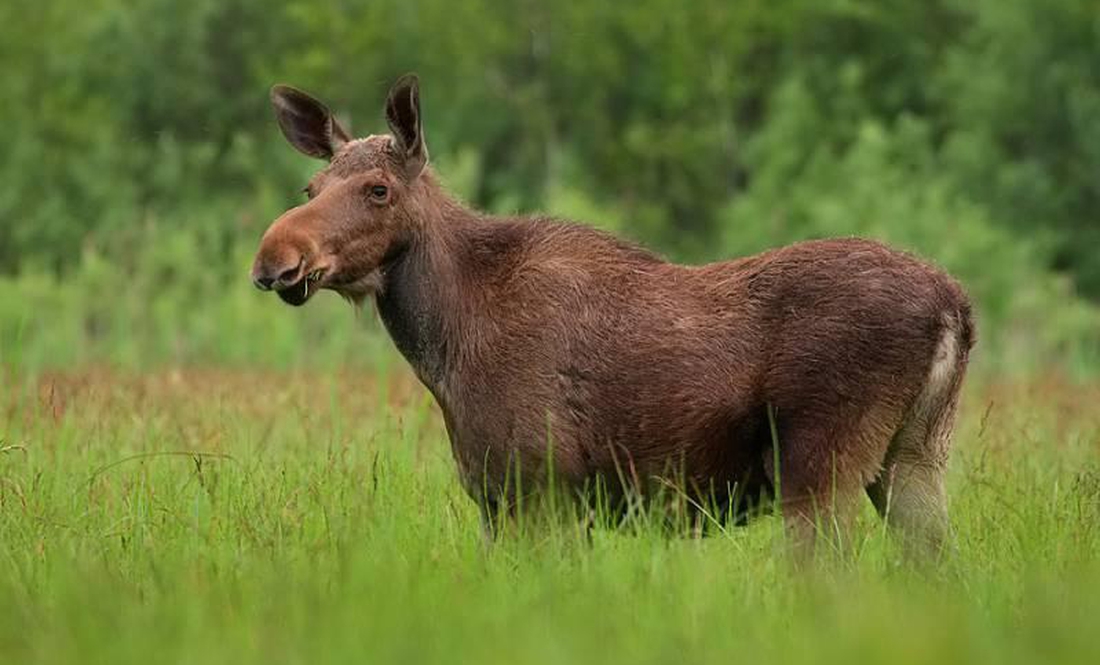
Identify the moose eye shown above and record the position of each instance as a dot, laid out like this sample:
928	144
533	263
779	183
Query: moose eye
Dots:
379	192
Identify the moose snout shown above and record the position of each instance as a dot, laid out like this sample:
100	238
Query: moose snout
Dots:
287	250
268	274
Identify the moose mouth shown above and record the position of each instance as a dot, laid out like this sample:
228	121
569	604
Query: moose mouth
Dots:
299	292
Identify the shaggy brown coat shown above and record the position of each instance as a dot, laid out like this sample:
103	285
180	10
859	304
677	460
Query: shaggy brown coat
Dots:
537	335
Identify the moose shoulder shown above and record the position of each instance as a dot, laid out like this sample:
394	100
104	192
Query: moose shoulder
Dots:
531	330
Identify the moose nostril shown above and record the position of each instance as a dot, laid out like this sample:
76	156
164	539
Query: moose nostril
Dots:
265	278
263	283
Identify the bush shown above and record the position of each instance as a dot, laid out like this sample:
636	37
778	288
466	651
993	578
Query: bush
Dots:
889	184
967	131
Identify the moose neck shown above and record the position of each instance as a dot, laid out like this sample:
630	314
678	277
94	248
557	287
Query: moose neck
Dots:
423	289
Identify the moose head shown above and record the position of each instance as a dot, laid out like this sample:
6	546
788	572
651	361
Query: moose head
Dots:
362	207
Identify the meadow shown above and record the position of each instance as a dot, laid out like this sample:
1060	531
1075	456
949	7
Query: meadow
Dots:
191	472
307	516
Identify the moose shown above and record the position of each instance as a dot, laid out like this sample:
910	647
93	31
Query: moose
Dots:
809	374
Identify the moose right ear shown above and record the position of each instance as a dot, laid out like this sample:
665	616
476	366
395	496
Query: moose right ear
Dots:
307	123
403	116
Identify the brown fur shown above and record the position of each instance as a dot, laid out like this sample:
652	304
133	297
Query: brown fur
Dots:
535	334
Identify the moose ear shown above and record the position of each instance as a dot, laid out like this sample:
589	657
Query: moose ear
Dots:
403	116
307	123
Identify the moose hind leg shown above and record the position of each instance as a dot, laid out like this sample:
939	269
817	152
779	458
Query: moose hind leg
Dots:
911	498
819	485
909	493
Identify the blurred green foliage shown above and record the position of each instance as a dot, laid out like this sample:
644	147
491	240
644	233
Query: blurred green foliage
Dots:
140	160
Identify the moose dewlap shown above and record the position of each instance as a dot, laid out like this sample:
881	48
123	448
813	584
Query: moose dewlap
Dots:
533	330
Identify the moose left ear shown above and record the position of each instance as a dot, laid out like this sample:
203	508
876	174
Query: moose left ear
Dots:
403	116
307	123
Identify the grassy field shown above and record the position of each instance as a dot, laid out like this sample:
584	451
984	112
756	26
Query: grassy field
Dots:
216	516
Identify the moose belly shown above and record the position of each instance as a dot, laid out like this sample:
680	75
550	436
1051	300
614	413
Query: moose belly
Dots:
712	456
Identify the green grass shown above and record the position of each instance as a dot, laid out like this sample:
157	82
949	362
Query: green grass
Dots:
323	522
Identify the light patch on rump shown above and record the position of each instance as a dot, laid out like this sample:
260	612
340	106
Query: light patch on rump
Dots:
945	361
913	440
924	437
